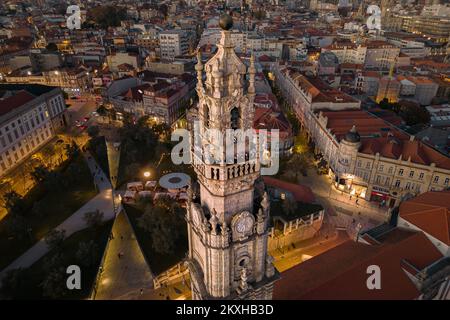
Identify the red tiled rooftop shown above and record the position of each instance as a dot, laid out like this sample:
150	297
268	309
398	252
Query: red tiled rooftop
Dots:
15	101
430	212
301	193
341	273
380	136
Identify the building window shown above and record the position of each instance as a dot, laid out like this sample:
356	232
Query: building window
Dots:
235	118
368	165
436	179
408	186
386	182
359	163
380	168
411	174
400	172
390	170
397	183
421	176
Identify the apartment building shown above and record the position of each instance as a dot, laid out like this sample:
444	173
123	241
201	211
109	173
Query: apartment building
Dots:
119	58
366	156
305	93
71	80
162	97
373	54
30	116
347	52
173	43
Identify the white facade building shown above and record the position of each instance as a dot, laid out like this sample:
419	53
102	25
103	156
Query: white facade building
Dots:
30	116
173	43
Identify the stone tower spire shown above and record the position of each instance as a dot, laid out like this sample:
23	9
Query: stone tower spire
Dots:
227	231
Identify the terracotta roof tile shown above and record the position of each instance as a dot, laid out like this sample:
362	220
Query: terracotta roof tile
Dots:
430	212
341	273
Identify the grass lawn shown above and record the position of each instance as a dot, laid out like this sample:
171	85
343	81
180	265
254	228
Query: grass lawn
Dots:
58	207
160	165
32	277
158	262
303	209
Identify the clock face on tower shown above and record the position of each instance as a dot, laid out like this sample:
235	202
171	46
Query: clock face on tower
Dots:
243	225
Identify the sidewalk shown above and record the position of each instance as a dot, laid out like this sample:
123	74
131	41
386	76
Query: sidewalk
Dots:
102	202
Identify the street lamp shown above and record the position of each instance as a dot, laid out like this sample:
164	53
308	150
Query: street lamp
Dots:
147	174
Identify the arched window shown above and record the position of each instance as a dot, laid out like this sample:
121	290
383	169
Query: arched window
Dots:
235	118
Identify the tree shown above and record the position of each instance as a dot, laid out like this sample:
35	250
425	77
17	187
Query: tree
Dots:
108	16
12	284
93	131
260	14
412	113
18	226
14	203
38	209
55	238
87	253
39	174
163	226
52	47
289	205
53	181
298	163
93	219
137	142
72	173
54	284
72	150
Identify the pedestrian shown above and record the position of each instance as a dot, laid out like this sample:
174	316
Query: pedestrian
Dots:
350	197
121	237
142	291
119	255
357	201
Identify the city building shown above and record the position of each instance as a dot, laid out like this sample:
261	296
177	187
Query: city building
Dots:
119	58
388	88
173	43
162	97
30	116
367	156
72	80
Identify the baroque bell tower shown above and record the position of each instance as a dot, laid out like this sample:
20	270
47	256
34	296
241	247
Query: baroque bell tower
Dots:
227	228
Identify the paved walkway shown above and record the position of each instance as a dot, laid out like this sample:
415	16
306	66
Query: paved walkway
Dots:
125	274
340	203
304	250
103	202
